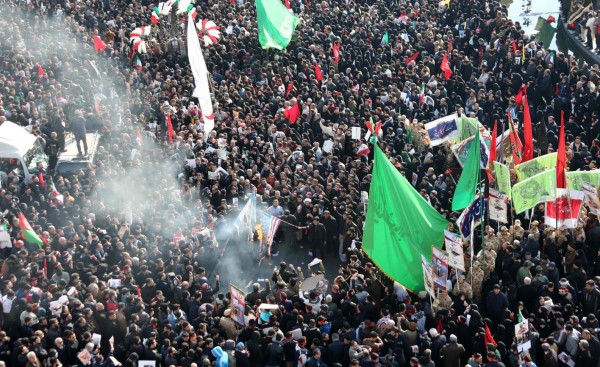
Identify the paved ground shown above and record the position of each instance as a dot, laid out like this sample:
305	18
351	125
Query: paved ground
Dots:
240	265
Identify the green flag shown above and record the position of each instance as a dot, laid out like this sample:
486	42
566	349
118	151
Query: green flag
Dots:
528	193
576	179
276	24
400	225
27	232
535	166
520	317
385	39
502	178
466	188
467	126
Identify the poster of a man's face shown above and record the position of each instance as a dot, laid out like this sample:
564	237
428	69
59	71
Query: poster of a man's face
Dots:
440	268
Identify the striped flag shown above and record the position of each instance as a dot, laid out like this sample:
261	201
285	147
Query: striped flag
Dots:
270	224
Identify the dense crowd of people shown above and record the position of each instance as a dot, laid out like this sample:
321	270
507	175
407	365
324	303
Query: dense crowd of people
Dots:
126	253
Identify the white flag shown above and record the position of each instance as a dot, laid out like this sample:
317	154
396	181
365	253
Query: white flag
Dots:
198	65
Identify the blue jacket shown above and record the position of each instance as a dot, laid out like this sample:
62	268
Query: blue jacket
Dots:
222	357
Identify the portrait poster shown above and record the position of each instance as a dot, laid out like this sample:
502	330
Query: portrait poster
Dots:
440	268
238	305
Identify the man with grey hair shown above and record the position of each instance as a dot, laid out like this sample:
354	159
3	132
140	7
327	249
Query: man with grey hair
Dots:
257	294
550	357
594	343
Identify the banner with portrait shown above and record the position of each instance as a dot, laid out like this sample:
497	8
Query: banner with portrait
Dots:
238	305
522	336
440	268
427	276
456	258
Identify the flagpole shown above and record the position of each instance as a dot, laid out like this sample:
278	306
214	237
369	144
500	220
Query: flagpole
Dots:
482	205
472	247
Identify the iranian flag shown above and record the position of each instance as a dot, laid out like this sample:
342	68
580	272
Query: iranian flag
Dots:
53	192
564	211
155	15
27	232
363	149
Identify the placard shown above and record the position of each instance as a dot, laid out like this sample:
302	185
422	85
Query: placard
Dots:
96	338
498	206
427	276
454	249
238	305
85	357
440	268
522	336
591	198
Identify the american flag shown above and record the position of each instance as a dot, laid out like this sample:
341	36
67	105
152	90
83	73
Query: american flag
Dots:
269	227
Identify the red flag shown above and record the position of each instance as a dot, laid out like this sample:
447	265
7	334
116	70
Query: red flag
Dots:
45	268
369	126
41	73
414	56
42	182
287	4
289	88
336	52
170	127
516	146
488	338
292	113
139	291
318	73
445	66
99	44
519	96
377	128
561	160
527	131
139	137
514	45
564	210
493	143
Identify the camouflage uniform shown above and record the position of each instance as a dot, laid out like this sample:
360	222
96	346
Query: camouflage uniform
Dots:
462	286
535	231
489	261
478	276
491	240
517	230
443	302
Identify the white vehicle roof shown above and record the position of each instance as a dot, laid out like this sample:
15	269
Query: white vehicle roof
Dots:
15	141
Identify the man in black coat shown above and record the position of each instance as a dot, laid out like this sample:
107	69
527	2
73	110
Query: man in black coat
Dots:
335	350
331	226
317	236
257	294
589	298
78	128
52	150
274	355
